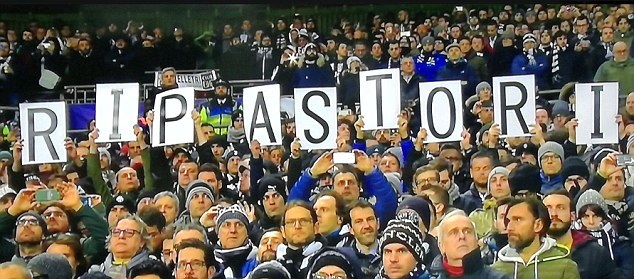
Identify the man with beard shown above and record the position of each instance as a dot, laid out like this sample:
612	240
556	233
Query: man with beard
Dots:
271	195
529	253
364	227
584	249
480	166
267	249
84	65
217	111
428	61
30	231
199	198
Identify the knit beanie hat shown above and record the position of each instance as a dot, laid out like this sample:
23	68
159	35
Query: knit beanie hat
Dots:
125	201
351	59
234	212
270	269
427	40
525	177
396	152
375	149
196	187
236	114
53	266
107	154
550	146
404	232
574	166
481	86
39	218
333	256
528	37
420	206
272	183
591	196
5	155
494	171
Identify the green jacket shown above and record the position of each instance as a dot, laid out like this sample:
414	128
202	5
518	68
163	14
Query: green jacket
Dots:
551	261
617	71
95	245
94	172
484	218
7	225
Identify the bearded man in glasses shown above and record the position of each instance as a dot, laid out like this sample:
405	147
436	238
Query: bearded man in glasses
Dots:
127	244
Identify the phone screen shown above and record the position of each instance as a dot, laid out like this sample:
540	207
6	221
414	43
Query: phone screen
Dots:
343	158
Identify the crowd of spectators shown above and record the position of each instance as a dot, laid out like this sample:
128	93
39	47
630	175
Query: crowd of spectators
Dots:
224	207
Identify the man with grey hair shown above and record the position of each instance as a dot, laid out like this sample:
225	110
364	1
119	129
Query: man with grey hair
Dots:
168	82
168	203
127	244
460	254
11	270
409	88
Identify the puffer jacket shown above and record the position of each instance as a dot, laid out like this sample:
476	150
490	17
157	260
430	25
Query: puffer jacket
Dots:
551	261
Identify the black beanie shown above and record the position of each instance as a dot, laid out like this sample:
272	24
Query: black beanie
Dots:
525	177
271	182
39	218
407	233
332	256
420	205
270	269
574	166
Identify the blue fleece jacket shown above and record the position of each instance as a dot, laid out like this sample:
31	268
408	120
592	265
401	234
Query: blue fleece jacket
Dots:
374	184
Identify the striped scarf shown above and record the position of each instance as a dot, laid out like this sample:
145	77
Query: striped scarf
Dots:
555	62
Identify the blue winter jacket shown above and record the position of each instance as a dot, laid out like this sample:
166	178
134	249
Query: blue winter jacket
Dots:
520	67
374	184
550	184
428	64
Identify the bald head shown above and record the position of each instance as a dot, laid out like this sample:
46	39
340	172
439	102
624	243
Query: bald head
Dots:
620	51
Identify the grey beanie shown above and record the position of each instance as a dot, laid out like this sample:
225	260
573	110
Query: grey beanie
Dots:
54	266
396	152
494	171
107	153
550	146
234	212
427	40
591	197
481	86
195	187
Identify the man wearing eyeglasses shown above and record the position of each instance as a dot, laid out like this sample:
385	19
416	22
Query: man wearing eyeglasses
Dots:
194	260
299	228
30	231
30	228
127	244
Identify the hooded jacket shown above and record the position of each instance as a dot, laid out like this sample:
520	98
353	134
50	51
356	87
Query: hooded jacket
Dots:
550	261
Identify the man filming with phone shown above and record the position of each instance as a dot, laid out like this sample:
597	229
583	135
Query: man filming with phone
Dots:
349	181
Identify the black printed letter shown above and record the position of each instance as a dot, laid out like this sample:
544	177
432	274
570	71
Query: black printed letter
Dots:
45	133
317	118
505	107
